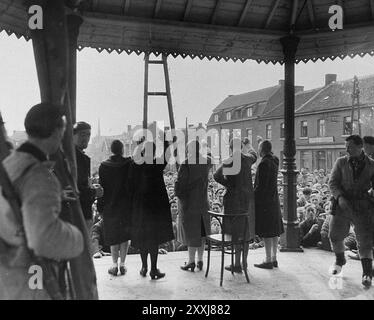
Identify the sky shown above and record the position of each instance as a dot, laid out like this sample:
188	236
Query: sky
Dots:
110	86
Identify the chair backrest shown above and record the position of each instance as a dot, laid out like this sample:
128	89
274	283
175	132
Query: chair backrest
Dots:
234	224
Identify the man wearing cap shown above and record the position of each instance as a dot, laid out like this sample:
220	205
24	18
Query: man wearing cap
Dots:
351	178
88	192
41	229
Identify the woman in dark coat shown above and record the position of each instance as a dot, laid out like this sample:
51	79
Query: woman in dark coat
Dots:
151	216
269	224
191	188
239	199
114	205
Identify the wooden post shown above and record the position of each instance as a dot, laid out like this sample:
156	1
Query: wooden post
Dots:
290	240
145	105
74	22
51	51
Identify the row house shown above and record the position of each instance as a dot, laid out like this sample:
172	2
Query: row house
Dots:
322	121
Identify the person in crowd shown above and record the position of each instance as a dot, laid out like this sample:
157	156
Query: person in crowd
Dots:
191	188
39	191
369	146
307	192
315	201
217	207
87	191
238	199
310	228
269	224
151	216
97	239
303	178
351	178
300	214
115	206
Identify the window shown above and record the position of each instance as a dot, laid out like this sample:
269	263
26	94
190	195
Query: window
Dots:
268	131
304	129
347	126
228	116
282	130
249	112
216	118
321	128
250	135
305	159
237	114
321	160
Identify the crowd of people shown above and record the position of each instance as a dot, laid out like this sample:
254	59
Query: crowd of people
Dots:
143	209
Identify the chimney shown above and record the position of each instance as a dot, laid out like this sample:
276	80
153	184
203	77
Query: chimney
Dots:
129	128
281	83
330	78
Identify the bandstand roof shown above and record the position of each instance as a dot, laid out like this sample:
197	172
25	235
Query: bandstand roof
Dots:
215	29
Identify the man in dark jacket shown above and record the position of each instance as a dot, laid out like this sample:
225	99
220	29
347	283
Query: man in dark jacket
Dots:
238	199
88	192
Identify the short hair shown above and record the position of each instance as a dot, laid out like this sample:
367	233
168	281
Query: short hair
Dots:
266	146
116	147
307	191
356	139
80	126
368	140
245	141
43	119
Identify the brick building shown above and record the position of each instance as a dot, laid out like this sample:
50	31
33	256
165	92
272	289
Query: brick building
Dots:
322	118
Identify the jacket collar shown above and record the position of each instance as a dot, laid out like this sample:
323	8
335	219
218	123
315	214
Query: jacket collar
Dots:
33	150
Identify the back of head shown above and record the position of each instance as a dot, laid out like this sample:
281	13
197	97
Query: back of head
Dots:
368	140
117	147
42	120
356	139
266	147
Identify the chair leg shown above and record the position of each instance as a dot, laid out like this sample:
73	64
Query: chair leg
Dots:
232	259
222	263
245	264
208	262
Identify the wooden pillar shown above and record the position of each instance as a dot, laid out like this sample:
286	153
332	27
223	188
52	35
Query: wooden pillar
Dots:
51	51
74	22
290	240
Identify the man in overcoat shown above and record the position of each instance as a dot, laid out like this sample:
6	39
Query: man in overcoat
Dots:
351	179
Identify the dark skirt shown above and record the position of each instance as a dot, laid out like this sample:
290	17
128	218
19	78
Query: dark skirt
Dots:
237	227
116	229
269	225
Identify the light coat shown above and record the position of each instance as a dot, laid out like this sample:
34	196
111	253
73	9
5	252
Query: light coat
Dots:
47	235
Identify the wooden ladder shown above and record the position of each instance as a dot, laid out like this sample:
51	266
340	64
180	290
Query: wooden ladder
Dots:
167	93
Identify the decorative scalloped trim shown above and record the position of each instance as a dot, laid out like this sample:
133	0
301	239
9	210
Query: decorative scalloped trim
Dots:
201	56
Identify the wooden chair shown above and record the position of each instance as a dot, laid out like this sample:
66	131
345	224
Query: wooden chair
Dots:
224	240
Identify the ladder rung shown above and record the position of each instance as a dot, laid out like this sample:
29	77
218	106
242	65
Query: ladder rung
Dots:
156	62
157	93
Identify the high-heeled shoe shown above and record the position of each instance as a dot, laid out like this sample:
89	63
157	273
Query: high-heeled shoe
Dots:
188	266
200	265
156	274
143	272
